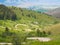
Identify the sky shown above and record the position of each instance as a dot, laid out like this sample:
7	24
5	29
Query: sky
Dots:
29	3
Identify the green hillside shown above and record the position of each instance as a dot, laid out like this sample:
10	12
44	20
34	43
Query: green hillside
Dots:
16	24
29	17
6	13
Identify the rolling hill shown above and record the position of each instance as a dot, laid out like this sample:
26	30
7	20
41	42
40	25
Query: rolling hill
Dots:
16	24
25	16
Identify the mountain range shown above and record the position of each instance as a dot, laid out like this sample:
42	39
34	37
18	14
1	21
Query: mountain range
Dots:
54	13
42	8
38	9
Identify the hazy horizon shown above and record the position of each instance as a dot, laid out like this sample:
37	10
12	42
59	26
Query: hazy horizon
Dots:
30	3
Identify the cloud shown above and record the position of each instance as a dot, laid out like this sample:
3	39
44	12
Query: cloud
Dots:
13	2
10	1
28	3
21	3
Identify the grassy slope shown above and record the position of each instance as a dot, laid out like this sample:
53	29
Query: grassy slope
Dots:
28	16
42	20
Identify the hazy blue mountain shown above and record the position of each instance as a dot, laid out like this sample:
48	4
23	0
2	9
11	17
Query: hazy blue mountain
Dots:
43	8
55	12
38	9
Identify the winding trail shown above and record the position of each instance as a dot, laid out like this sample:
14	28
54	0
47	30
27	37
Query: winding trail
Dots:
20	25
41	39
6	44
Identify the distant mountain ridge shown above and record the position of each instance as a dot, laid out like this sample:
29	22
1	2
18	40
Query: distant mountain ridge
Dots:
42	8
38	9
54	13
